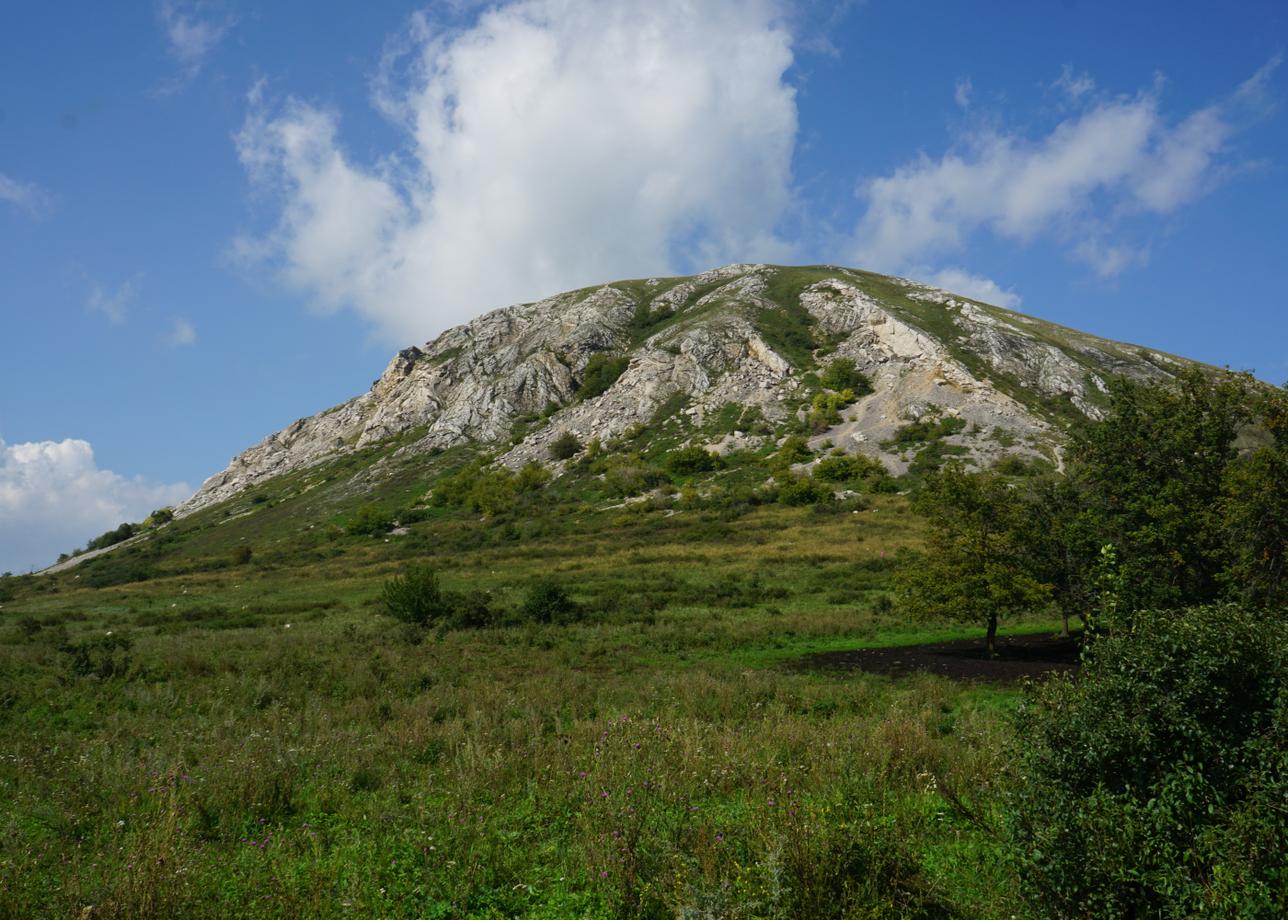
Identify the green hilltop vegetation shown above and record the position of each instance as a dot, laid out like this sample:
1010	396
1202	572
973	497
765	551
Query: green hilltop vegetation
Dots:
404	684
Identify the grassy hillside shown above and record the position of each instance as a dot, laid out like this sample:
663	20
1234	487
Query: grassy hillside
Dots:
211	732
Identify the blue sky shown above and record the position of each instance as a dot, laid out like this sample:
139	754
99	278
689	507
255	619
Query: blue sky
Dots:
217	217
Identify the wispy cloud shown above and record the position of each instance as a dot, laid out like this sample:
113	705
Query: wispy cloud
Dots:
183	333
113	304
962	93
553	144
192	30
26	197
1114	159
1073	85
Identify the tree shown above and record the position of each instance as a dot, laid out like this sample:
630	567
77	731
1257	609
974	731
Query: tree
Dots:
1061	545
1254	510
1151	473
974	569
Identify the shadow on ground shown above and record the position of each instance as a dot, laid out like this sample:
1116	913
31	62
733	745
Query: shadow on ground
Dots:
1018	657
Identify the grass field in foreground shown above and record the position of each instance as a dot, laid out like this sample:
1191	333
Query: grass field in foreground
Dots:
257	740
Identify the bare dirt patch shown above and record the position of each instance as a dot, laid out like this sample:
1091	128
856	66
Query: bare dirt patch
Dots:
1018	657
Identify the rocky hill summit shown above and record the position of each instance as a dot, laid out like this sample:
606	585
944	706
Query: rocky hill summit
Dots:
607	361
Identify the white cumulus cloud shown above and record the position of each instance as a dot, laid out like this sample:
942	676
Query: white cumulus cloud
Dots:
551	144
54	498
1114	158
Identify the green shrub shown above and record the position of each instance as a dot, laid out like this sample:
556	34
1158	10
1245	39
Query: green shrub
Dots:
241	555
415	597
565	446
794	449
601	372
112	537
692	459
369	521
854	469
931	429
104	657
842	374
802	490
1154	785
532	477
548	602
632	476
825	409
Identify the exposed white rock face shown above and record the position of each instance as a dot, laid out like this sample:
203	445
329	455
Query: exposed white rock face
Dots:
700	341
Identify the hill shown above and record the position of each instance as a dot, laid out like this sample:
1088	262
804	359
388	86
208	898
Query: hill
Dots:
708	358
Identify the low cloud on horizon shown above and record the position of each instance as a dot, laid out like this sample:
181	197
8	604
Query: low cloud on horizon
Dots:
54	498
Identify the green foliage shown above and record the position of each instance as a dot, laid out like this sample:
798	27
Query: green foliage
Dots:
1254	511
159	517
825	409
370	521
548	602
565	447
686	461
241	555
794	449
854	470
1154	785
104	657
531	477
1062	544
112	537
974	568
920	432
491	491
600	373
415	597
629	474
802	490
843	374
1153	471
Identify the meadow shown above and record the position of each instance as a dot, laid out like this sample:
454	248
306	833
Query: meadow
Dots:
247	734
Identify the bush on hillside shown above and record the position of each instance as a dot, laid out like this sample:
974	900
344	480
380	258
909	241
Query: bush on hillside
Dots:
1154	785
416	597
843	374
601	372
794	449
693	459
370	521
548	602
565	446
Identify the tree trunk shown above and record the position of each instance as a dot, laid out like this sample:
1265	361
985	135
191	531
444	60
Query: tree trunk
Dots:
992	635
1064	623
